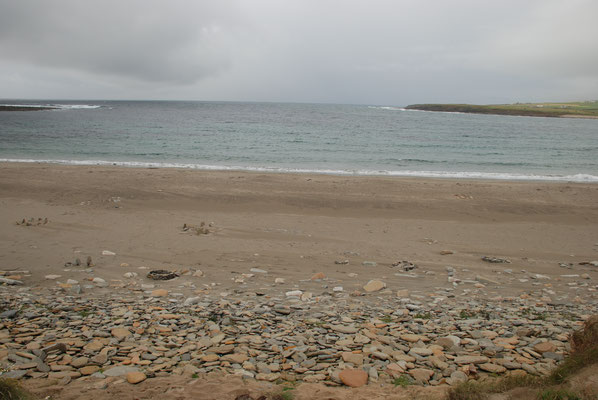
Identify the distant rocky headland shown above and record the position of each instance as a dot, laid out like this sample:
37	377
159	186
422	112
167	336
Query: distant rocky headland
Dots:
26	108
583	109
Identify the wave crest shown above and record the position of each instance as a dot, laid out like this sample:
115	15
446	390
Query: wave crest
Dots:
579	178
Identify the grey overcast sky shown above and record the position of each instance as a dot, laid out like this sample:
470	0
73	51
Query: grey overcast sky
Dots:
341	51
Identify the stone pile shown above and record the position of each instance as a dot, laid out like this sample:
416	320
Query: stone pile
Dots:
333	338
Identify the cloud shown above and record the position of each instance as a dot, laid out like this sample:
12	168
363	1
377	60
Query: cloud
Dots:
558	40
174	42
377	52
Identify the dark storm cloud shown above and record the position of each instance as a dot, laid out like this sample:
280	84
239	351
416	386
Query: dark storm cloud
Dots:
380	51
176	41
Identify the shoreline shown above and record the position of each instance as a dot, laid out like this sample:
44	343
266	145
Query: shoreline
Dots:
442	175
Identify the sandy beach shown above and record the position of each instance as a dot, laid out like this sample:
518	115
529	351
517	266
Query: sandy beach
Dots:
294	225
265	235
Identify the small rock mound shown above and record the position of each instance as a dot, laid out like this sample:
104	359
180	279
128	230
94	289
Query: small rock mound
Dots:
162	275
33	221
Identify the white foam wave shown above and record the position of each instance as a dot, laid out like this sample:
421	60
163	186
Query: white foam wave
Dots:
387	108
580	178
411	109
75	106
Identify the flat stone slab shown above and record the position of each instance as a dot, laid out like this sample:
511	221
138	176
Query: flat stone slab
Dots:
120	370
471	359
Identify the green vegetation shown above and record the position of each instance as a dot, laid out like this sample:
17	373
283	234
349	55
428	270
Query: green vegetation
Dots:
480	390
558	394
584	352
287	394
386	319
467	314
402	381
534	315
426	315
588	109
10	389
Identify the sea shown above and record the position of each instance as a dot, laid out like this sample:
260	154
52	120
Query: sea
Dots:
301	138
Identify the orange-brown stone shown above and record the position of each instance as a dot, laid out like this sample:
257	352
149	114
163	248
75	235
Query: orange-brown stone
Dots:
353	377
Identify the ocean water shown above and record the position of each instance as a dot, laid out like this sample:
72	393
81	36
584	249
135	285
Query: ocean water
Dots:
320	138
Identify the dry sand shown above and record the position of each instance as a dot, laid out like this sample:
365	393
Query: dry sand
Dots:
290	225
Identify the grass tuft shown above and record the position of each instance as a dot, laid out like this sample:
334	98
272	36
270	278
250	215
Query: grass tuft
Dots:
479	390
402	381
584	351
10	389
558	394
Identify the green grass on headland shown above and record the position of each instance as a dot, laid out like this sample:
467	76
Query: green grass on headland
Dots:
580	109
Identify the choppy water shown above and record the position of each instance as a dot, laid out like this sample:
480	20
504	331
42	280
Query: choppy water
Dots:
339	139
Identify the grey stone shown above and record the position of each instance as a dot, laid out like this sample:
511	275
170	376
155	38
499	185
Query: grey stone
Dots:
120	370
15	374
9	314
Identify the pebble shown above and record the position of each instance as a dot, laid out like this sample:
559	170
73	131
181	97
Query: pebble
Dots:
545	347
135	377
120	370
421	374
353	377
317	276
374	285
278	332
88	370
9	314
120	333
160	293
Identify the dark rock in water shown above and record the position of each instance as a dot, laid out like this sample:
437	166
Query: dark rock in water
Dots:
496	260
162	275
8	314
